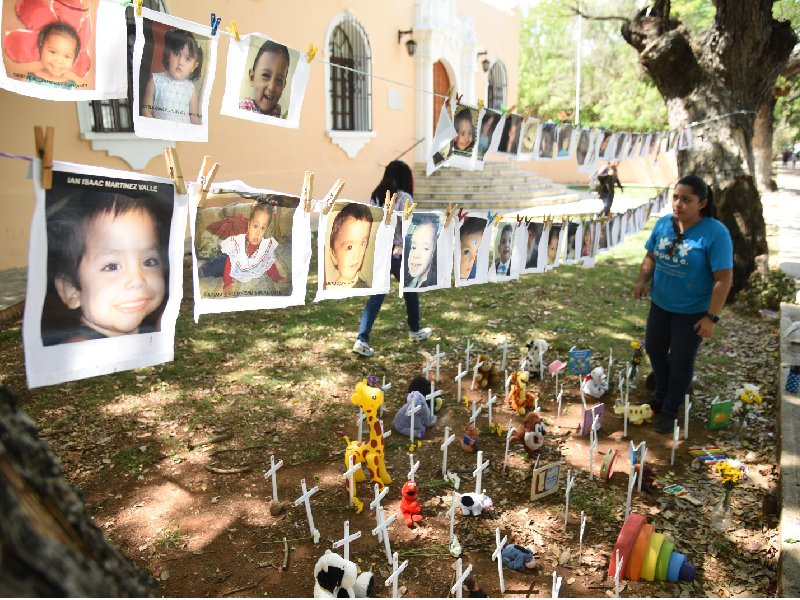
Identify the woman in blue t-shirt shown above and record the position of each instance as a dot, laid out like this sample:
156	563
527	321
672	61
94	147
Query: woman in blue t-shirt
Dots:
690	259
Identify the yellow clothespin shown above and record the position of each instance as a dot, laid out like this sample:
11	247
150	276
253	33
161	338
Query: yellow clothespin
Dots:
205	177
138	8
233	31
526	114
174	169
312	51
389	206
480	105
409	209
497	219
450	212
305	194
332	195
44	150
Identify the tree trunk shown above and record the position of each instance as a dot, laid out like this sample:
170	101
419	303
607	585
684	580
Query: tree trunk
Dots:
730	70
49	546
762	145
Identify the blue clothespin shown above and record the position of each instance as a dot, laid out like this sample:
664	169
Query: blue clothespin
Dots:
490	217
215	21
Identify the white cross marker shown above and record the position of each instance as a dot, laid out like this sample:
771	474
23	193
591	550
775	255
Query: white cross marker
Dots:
583	398
498	556
616	574
385	433
412	410
479	471
414	467
556	585
560	395
505	348
469	347
569	488
432	396
437	356
448	439
631	484
610	360
304	499
458	379
395	574
460	577
478	365
508	381
592	450
686	418
476	412
428	366
385	388
541	365
675	437
272	473
625	419
452	512
562	385
492	400
382	528
376	505
349	476
345	541
508	440
641	466
627	382
580	540
361	418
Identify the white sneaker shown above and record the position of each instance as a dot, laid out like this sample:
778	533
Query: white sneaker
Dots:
422	334
363	348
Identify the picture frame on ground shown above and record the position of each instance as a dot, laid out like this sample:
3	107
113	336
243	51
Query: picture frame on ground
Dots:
427	253
174	63
105	276
50	49
265	81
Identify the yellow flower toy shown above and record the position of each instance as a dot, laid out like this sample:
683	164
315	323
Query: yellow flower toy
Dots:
749	394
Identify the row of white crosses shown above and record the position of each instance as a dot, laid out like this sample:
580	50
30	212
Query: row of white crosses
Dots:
381	530
431	398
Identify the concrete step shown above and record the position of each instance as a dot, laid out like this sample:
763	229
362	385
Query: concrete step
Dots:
502	188
516	180
505	204
520	194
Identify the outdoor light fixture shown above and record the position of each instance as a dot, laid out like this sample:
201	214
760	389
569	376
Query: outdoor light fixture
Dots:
411	45
485	62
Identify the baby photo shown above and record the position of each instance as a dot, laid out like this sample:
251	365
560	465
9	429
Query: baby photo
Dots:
350	245
582	147
534	232
572	240
420	255
552	243
243	245
509	139
470	236
529	135
107	259
488	124
503	243
602	245
587	241
622	139
631	151
547	142
466	124
606	145
564	141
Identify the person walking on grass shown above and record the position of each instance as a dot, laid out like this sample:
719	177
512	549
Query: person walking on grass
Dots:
397	179
690	261
608	178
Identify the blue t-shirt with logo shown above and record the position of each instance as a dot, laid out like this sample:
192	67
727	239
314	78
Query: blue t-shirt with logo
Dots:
684	281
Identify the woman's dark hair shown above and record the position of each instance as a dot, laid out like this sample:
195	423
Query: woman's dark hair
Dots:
274	48
59	28
432	277
354	210
702	191
396	177
175	40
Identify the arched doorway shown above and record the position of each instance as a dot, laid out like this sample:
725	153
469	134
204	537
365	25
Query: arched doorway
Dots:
441	85
496	84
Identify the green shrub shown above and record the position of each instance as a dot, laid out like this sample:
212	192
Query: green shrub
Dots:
768	291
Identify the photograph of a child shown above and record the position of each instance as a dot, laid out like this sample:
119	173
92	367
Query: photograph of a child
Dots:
529	135
547	139
488	124
509	139
470	236
534	236
572	241
582	147
602	244
350	245
243	245
606	145
266	86
552	243
107	258
420	250
645	148
590	163
466	124
672	140
622	140
634	141
503	244
685	139
587	242
564	146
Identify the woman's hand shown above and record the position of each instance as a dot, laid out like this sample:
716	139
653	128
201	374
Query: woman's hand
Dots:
705	327
640	291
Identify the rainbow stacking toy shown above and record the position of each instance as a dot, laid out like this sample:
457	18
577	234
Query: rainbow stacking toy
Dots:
647	555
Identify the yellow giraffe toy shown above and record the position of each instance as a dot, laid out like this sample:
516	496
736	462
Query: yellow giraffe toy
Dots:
369	452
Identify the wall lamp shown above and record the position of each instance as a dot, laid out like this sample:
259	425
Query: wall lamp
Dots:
411	45
485	62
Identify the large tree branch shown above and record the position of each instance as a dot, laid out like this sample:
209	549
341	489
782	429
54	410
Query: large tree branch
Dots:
792	67
578	12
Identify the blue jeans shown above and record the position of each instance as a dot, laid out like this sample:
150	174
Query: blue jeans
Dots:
671	343
374	303
608	200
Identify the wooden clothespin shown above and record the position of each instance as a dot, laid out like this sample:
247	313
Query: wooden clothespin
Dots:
44	150
527	113
205	177
305	194
331	196
389	206
215	21
462	214
138	8
450	212
234	31
409	209
480	104
312	51
520	221
174	169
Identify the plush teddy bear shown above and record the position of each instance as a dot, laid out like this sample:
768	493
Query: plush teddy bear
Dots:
532	434
595	384
469	443
649	481
474	504
519	397
409	505
531	361
422	419
335	577
488	374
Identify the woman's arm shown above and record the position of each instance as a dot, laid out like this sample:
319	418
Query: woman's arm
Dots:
645	275
722	285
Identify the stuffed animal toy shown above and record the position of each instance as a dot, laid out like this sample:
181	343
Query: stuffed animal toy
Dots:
649	481
519	397
530	362
518	558
488	374
469	443
595	384
423	386
474	504
532	434
422	419
335	577
409	505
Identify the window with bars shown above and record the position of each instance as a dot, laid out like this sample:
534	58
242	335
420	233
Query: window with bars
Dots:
350	85
496	94
116	116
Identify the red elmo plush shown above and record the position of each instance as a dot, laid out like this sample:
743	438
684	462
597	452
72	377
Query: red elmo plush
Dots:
409	505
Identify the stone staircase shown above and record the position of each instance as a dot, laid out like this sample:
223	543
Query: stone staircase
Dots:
501	185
